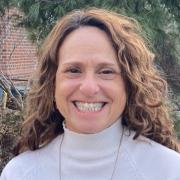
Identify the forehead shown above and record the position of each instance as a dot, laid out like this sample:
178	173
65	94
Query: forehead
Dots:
87	43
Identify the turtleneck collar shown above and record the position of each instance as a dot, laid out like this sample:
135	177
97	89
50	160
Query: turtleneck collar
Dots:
108	139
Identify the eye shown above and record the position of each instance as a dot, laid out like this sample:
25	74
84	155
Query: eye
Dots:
73	72
107	73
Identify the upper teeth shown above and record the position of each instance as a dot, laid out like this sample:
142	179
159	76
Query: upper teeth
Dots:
89	106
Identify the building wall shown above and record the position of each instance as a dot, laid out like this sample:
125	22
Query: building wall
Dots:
17	54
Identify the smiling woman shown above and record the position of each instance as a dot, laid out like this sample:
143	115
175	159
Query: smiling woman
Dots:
97	109
90	92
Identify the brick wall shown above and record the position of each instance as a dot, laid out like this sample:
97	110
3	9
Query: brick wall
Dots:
17	53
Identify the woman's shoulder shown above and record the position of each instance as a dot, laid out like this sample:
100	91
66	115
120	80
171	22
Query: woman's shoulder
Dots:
151	158
30	161
145	145
19	165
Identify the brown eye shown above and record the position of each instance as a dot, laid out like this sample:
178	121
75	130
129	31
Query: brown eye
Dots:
107	74
107	71
73	70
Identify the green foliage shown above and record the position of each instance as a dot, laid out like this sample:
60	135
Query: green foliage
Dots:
176	117
3	5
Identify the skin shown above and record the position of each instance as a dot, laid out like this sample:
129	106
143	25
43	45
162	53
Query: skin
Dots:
88	72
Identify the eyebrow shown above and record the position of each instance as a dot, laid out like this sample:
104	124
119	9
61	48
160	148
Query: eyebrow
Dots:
103	64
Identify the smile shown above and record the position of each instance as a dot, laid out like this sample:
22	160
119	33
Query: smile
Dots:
89	107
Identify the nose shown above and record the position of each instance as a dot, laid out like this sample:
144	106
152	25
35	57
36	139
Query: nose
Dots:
89	85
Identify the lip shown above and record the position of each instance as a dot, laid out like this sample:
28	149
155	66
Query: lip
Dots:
89	113
104	103
90	101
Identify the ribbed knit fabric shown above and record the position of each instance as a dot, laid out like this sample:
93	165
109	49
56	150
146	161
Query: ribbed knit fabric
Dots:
92	157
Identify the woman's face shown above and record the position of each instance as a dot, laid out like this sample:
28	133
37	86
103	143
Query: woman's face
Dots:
89	90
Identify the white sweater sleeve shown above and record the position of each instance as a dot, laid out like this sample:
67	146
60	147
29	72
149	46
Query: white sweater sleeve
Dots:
3	175
16	168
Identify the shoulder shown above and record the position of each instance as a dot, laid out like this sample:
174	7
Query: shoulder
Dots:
153	159
30	162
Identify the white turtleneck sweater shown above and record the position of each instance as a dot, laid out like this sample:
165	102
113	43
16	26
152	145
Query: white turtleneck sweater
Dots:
93	156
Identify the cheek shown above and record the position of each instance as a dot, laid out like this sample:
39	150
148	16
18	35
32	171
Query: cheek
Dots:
64	89
121	93
60	97
115	90
63	92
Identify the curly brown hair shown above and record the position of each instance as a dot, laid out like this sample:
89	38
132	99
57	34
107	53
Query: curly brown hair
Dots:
146	111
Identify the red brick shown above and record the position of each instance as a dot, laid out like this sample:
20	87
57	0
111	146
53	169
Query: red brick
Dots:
23	59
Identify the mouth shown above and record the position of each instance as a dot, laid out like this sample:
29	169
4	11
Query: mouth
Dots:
89	107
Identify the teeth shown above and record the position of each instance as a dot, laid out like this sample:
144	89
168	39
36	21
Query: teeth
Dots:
89	106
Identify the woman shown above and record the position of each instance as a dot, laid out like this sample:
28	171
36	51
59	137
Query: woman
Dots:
97	110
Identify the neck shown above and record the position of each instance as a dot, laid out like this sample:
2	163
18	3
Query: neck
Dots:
90	155
108	137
